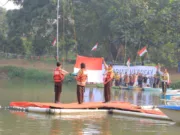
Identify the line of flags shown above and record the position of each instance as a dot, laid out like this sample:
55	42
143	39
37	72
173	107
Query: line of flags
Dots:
93	49
140	52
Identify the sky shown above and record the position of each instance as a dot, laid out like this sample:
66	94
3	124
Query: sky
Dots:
9	5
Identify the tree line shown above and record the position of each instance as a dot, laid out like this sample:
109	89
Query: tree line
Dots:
121	27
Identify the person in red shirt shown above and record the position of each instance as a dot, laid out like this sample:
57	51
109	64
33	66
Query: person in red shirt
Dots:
58	77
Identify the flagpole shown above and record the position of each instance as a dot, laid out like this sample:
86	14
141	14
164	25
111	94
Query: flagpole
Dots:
57	30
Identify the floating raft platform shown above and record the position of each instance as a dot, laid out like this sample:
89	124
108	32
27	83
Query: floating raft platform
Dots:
118	108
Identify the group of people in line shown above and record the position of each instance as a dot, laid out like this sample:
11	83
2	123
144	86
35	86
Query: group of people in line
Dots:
81	80
109	76
141	80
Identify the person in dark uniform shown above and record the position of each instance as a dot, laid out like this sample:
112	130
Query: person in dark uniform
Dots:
108	81
58	77
140	80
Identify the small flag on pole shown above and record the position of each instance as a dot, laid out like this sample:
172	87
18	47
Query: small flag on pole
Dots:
142	51
95	47
54	42
128	62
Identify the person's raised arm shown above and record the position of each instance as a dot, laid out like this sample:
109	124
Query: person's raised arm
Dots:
105	65
159	69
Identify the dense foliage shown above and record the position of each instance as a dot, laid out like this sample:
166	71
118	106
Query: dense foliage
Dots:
121	27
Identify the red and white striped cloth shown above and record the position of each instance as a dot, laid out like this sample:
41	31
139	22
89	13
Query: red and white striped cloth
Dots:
93	67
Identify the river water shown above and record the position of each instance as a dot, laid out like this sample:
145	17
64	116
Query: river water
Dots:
20	123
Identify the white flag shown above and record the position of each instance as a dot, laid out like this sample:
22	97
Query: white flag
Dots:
54	42
95	47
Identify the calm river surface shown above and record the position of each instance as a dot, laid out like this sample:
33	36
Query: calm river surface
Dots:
20	123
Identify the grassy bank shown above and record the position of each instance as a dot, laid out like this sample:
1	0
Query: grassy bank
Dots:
34	75
175	85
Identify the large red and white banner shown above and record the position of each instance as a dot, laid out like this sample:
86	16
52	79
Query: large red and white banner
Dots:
93	67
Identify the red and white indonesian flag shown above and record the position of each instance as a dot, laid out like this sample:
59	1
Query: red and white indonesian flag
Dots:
54	42
95	47
142	51
93	67
128	62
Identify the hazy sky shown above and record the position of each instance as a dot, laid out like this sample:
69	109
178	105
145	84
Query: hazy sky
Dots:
8	6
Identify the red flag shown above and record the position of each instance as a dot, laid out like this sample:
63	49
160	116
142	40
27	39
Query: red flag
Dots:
54	42
142	51
95	47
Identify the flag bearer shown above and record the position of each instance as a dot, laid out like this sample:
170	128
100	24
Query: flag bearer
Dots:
108	81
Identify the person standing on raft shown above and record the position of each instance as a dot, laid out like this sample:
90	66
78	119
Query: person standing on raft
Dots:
81	79
58	77
108	81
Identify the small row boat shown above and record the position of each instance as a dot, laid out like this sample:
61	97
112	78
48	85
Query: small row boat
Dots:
121	87
173	112
155	89
113	87
136	88
171	98
172	95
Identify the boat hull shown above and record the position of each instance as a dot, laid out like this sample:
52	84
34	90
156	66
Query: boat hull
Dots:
173	114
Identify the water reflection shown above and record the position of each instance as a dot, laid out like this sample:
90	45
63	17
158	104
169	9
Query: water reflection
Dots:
88	125
134	97
55	127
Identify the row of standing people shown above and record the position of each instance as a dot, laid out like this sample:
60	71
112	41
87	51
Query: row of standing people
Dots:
140	80
81	80
137	80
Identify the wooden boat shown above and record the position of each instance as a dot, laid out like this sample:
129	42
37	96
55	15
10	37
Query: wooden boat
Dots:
173	112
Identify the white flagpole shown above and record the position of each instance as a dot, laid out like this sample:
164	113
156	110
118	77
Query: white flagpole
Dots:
57	30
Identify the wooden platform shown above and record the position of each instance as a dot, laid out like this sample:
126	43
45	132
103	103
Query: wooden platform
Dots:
125	106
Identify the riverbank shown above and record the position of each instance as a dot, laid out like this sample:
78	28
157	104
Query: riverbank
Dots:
49	64
33	75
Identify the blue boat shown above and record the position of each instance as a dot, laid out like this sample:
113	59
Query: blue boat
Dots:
172	111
